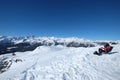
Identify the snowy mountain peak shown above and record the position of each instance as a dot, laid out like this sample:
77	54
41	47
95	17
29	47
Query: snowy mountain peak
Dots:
47	40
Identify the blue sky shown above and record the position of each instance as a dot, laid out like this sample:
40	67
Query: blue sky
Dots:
91	19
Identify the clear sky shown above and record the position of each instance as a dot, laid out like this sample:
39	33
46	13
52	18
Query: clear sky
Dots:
91	19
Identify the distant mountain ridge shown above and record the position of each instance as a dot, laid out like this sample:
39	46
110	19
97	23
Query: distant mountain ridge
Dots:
13	44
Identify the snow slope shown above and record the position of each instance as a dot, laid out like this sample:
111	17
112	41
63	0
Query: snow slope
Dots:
64	63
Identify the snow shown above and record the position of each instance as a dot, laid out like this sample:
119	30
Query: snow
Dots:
11	47
64	63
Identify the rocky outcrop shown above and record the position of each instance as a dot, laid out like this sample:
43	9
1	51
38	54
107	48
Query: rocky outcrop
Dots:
5	64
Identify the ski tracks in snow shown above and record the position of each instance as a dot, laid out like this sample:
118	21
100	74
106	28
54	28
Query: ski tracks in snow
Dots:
74	64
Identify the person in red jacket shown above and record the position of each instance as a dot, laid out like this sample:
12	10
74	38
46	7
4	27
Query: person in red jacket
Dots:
107	48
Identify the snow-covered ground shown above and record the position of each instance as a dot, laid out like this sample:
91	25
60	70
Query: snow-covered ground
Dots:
63	63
